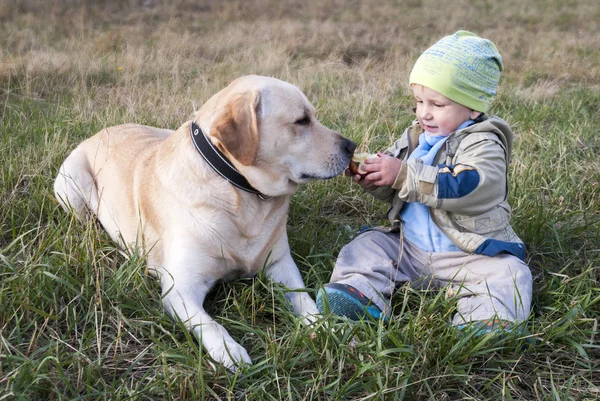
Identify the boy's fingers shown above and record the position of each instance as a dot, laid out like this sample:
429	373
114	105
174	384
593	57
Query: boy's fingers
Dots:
376	179
370	167
371	178
373	160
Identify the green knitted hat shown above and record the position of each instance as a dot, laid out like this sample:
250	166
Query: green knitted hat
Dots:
463	67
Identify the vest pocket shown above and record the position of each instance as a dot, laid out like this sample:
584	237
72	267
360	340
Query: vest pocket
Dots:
494	220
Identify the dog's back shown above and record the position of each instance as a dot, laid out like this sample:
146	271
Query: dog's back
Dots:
112	155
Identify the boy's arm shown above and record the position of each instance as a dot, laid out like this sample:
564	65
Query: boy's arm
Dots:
383	193
473	185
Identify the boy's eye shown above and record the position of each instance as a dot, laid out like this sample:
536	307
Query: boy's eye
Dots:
438	105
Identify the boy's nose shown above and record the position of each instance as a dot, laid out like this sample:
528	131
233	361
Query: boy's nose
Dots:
426	114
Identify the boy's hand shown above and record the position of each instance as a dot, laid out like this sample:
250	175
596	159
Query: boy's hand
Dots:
358	178
381	170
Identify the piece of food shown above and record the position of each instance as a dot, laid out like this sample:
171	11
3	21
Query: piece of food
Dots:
356	160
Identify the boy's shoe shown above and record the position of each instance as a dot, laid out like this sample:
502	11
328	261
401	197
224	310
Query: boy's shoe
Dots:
345	300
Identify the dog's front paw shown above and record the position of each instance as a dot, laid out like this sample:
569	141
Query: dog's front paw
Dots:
230	354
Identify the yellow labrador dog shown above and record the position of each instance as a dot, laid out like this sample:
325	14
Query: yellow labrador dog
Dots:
209	201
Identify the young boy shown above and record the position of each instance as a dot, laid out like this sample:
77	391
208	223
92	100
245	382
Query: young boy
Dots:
446	180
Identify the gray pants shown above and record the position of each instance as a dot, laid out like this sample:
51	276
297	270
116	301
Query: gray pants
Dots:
487	287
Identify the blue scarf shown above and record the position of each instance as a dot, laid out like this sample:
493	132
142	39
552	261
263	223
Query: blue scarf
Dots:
428	147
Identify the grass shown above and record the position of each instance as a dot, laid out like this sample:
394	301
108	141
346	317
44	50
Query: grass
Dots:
79	319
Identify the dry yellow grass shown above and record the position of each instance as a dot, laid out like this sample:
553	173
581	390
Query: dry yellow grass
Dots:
369	45
164	58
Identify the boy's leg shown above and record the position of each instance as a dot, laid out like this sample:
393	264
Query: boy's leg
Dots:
487	288
369	264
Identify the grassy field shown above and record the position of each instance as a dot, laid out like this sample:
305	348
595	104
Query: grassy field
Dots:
79	319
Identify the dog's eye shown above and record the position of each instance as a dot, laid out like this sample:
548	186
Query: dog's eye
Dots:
303	121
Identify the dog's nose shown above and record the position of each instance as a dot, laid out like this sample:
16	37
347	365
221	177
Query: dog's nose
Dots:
349	146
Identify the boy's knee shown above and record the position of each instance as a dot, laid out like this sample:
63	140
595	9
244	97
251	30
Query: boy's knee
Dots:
522	275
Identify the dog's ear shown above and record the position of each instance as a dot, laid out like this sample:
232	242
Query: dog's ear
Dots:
236	129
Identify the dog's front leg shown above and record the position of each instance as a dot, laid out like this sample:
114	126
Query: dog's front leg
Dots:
286	272
183	298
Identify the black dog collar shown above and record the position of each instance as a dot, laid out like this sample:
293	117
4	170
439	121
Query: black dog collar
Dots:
219	162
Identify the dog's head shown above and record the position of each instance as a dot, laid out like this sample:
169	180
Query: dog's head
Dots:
269	131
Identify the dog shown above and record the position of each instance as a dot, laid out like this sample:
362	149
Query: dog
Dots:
208	202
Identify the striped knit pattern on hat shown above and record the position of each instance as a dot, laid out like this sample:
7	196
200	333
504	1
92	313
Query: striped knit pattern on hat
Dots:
463	67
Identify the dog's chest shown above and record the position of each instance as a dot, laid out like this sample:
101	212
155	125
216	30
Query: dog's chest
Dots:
240	242
255	234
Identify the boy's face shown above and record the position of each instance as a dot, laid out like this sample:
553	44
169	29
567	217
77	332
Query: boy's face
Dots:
437	114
